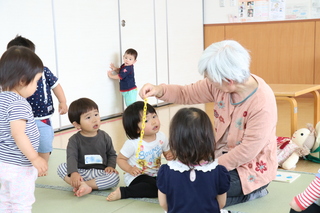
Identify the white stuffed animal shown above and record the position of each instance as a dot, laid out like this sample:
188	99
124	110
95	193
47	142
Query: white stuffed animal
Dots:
317	142
289	151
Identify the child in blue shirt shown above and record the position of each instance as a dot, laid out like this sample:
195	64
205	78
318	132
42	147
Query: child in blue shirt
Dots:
41	101
193	181
125	73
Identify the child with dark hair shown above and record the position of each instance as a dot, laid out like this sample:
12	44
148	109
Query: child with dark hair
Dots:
41	101
20	163
91	158
140	161
193	181
125	74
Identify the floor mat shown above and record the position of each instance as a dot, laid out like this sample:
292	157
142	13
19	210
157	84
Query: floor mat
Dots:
280	194
53	181
279	197
104	193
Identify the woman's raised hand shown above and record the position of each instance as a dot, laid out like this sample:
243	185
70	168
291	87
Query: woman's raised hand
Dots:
150	90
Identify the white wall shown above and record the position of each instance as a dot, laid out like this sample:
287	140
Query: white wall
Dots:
87	41
78	39
20	17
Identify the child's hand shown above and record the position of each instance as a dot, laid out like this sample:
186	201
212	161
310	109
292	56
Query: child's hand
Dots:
110	73
110	170
75	180
112	67
63	108
113	76
41	165
134	171
168	155
294	206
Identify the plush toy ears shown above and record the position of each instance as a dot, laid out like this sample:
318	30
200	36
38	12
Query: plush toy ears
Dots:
309	142
317	135
317	130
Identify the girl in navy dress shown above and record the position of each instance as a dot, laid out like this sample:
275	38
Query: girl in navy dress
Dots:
193	181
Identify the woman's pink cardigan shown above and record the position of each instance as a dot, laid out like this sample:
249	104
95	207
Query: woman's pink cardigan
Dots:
246	132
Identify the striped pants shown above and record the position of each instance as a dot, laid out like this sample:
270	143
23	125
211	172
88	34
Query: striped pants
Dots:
103	179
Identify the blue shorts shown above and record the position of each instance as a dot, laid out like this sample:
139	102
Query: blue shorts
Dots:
46	137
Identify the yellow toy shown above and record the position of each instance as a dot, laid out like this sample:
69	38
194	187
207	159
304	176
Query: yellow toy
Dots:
144	115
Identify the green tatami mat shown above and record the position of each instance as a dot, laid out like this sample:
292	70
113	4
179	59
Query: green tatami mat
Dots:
57	201
53	181
279	197
54	195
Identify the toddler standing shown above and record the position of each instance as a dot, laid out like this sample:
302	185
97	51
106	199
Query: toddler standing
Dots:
20	163
125	73
41	101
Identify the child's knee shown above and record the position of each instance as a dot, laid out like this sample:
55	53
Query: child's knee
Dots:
108	181
62	170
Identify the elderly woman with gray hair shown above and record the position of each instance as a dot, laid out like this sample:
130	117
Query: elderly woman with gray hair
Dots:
245	117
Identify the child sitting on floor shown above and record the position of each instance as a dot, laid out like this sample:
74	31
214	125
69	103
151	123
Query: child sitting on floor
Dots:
141	166
91	158
193	181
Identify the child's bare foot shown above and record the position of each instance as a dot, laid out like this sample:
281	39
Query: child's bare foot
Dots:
43	174
115	195
83	190
75	190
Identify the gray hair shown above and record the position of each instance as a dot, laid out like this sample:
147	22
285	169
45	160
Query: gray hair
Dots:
225	60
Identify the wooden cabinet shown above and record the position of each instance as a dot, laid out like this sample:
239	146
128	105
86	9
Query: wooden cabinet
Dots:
285	52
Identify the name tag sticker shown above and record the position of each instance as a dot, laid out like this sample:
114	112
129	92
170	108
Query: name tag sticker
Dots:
93	159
